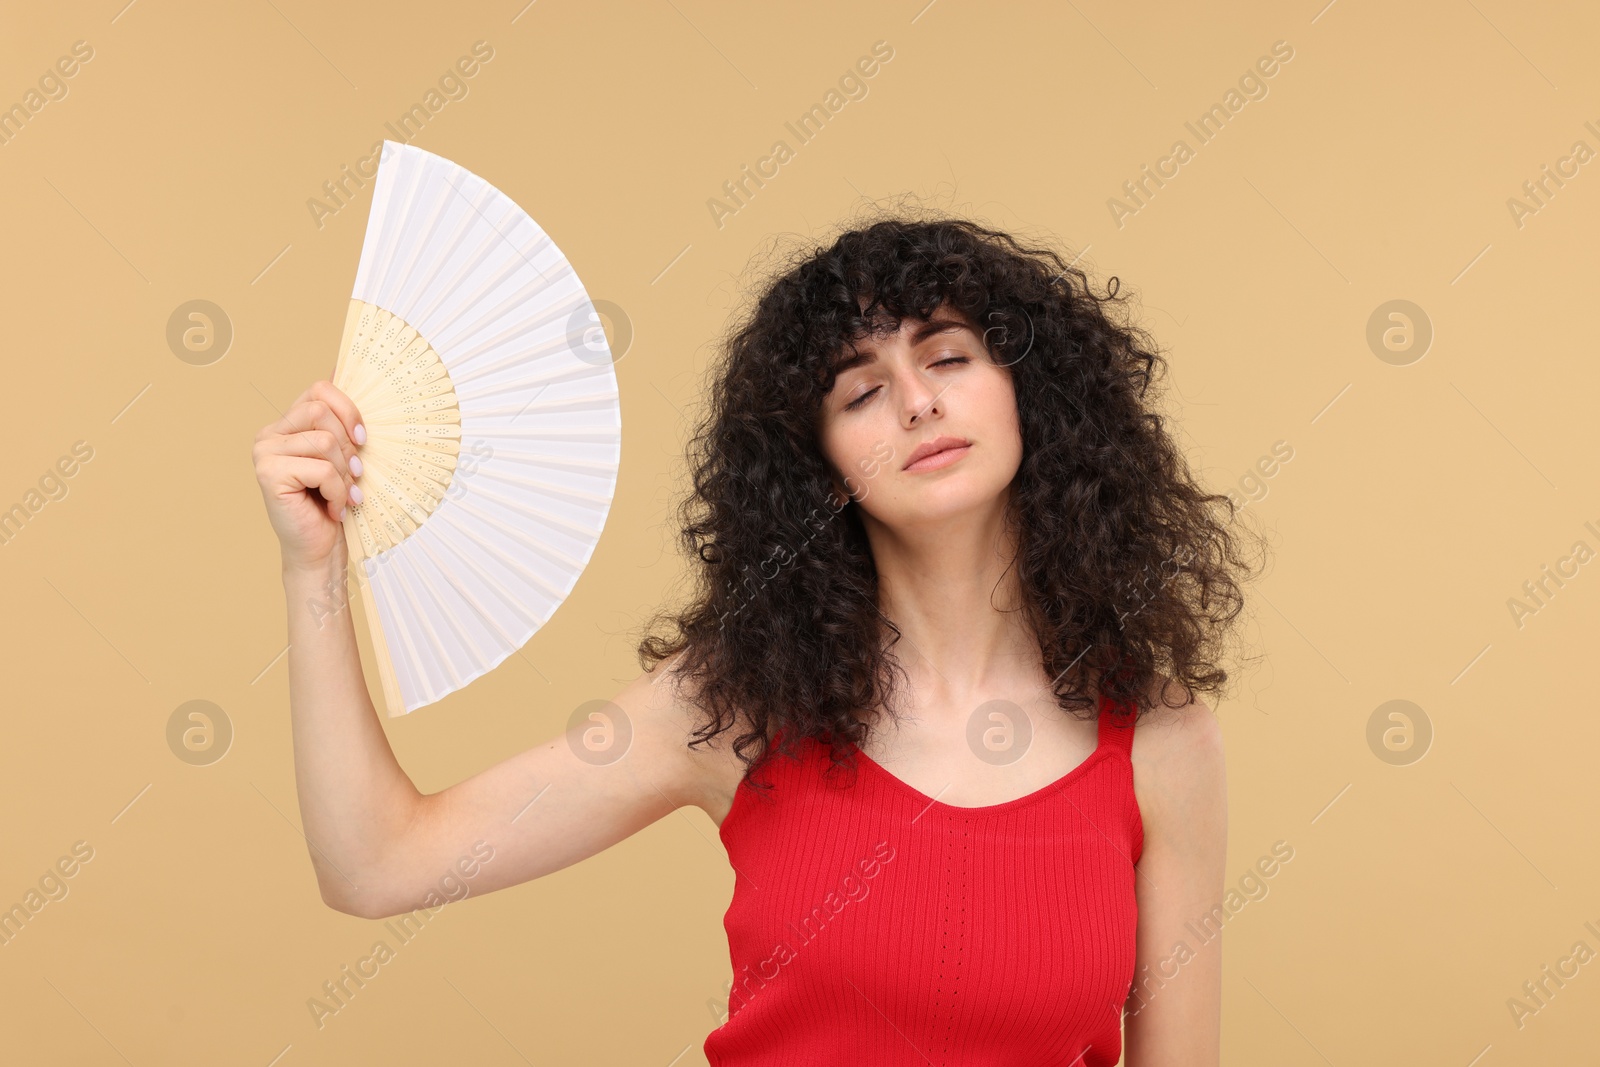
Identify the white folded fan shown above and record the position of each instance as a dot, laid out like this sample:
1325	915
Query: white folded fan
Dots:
494	428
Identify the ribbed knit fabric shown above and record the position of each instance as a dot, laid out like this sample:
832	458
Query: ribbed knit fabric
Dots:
871	924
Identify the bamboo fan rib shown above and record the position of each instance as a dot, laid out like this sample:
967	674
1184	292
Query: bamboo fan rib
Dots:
493	423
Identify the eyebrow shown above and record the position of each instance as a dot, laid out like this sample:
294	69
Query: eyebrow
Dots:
919	333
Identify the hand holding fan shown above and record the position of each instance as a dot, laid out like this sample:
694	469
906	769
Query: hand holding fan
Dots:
493	426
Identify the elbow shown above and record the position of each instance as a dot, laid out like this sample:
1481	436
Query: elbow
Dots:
367	904
342	905
357	904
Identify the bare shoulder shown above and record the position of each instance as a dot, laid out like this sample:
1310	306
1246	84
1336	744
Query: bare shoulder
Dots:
1179	769
663	718
1187	731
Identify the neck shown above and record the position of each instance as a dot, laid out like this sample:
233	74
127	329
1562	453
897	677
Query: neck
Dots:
951	590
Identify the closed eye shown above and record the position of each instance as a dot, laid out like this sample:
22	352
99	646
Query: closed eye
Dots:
864	397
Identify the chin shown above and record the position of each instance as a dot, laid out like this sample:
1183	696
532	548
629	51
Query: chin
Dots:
951	499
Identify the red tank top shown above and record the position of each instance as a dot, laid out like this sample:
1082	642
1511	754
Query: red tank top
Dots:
873	924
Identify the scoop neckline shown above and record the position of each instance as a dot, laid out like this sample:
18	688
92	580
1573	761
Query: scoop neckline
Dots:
1102	747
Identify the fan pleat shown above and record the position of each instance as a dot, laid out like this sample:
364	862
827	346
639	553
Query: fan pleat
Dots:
595	500
560	345
457	645
587	402
488	523
396	223
589	472
447	326
400	613
523	509
482	390
457	333
510	619
416	279
526	586
464	210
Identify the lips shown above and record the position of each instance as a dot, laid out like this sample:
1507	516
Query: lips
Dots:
934	447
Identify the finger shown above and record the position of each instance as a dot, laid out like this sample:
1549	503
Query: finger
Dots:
336	408
308	410
321	443
316	442
313	414
342	406
293	474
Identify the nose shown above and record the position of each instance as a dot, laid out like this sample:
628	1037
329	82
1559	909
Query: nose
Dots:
921	400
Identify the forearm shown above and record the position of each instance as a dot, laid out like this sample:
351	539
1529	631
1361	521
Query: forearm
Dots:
355	801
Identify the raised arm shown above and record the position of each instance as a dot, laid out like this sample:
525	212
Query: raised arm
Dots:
380	847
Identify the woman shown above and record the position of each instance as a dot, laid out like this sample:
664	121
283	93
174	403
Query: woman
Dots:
956	593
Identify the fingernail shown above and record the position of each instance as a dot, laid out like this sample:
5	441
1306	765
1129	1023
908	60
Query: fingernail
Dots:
355	494
361	434
342	513
355	466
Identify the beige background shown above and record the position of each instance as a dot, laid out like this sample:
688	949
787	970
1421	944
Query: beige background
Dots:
1418	501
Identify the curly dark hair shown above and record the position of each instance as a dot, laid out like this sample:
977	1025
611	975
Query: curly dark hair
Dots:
1126	566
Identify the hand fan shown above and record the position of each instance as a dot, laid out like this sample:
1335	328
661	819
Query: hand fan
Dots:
493	425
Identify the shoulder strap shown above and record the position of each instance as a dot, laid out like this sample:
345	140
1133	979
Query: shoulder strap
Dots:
1116	725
